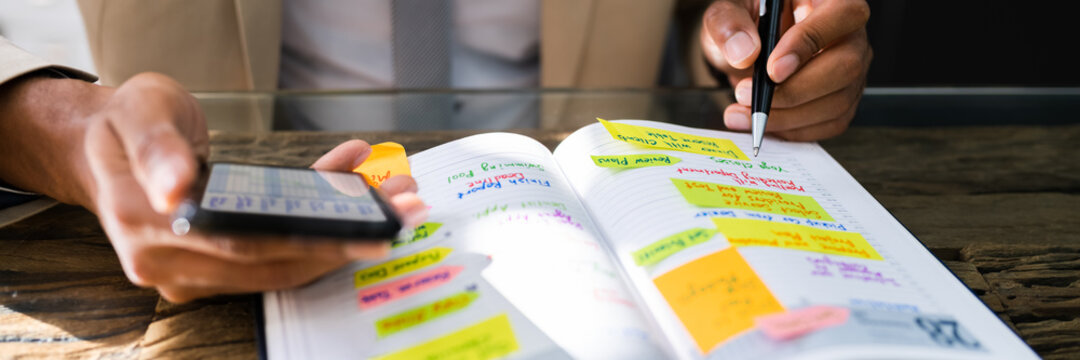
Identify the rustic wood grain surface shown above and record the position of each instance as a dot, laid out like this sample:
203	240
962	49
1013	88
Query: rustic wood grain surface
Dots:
998	205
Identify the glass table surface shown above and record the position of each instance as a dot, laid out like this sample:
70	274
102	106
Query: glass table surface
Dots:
561	109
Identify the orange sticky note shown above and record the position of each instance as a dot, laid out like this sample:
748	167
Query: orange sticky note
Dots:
716	297
387	159
800	322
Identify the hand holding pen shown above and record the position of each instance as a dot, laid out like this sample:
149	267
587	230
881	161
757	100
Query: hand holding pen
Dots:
819	63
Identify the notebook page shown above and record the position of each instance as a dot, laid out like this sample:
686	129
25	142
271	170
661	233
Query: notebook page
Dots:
712	244
512	240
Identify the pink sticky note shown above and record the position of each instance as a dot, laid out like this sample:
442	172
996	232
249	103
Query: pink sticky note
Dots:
792	324
381	294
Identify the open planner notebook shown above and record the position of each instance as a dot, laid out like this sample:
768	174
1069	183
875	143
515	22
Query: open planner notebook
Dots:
640	240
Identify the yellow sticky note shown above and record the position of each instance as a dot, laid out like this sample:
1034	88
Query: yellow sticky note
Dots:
750	232
421	232
424	313
664	139
709	194
633	161
387	159
716	297
660	250
489	339
400	266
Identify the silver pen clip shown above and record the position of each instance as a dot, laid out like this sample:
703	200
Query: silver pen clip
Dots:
761	11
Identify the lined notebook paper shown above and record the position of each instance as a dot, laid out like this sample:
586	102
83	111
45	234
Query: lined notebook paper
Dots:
639	239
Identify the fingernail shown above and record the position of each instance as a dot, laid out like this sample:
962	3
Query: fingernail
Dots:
784	67
738	47
744	93
360	159
163	183
737	121
417	218
800	13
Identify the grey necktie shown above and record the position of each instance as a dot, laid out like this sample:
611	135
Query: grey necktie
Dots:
422	31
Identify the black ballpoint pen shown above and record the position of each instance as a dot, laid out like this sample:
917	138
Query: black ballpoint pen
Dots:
769	31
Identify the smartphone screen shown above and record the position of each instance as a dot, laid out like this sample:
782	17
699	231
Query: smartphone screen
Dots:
291	192
255	199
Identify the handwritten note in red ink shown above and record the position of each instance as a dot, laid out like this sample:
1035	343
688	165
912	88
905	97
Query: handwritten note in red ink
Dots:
792	324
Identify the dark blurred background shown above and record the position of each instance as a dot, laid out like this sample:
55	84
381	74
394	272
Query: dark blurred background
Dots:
974	43
976	47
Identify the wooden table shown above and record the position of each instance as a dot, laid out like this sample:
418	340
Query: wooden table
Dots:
999	205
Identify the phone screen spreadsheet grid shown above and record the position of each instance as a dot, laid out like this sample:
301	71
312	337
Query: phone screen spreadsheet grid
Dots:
294	192
245	180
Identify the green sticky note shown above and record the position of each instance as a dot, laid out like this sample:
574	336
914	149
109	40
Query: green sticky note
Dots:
660	250
633	161
421	232
708	194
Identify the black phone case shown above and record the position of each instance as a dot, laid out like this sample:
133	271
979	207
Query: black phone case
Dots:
201	219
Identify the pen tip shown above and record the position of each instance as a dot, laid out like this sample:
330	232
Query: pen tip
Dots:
756	151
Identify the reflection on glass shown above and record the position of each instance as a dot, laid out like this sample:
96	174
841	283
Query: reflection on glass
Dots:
457	110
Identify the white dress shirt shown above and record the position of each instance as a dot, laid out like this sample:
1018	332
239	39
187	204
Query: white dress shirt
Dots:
346	44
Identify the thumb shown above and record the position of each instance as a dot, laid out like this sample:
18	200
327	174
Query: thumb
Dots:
729	35
143	116
344	157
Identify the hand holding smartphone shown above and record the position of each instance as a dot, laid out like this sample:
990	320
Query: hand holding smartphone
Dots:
255	199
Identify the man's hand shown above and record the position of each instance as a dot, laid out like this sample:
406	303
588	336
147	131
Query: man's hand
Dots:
142	149
819	64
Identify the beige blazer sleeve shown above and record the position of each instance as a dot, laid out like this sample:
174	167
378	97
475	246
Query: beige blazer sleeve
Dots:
210	45
15	62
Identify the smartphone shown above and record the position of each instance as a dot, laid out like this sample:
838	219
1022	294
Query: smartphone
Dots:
255	199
